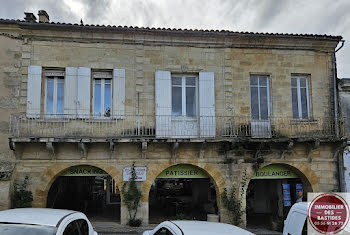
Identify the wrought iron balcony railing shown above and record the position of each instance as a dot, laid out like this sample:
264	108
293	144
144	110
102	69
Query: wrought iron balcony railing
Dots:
150	126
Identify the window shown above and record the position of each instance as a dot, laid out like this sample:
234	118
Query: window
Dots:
163	231
300	97
71	229
260	97
83	227
102	94
54	101
184	96
77	227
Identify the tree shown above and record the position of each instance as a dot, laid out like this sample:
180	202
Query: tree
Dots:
131	198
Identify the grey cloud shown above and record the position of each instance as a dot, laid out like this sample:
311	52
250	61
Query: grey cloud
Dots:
283	16
58	11
96	10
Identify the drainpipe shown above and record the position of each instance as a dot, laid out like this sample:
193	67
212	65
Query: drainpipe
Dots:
339	153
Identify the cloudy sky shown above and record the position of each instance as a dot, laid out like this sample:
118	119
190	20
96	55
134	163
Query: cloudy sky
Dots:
276	16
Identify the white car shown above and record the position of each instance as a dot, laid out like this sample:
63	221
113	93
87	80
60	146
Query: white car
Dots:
44	221
181	227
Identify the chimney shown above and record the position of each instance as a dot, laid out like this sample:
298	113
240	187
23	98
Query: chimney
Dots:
43	17
29	17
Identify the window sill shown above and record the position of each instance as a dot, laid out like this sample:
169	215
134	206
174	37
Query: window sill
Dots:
184	118
303	121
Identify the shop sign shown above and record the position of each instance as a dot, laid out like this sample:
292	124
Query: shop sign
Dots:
274	172
141	173
183	171
84	170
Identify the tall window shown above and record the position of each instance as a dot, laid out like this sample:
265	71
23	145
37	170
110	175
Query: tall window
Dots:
54	95
260	98
184	96
102	94
300	97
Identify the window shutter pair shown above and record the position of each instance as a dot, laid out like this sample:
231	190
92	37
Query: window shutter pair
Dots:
206	104
77	94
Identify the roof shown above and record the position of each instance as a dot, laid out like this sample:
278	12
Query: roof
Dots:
209	228
114	28
42	216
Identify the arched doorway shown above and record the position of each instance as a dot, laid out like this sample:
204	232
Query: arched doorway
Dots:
88	189
271	192
182	191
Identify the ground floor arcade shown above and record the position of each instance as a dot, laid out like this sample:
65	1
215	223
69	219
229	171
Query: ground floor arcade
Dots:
176	191
185	184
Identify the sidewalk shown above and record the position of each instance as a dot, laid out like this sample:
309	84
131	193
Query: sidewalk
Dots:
116	228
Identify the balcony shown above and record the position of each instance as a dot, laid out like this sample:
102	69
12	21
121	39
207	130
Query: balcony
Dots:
166	127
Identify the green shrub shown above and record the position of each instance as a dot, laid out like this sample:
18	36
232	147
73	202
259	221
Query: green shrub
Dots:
21	196
134	222
233	205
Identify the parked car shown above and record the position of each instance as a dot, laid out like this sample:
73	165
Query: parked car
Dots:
195	228
44	221
296	223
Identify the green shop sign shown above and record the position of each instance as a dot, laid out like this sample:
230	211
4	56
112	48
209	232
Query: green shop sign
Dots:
83	170
183	171
274	172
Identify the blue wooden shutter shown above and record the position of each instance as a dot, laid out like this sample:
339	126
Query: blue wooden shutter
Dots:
163	103
34	91
207	121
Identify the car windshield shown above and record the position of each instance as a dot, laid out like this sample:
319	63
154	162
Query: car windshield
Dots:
26	229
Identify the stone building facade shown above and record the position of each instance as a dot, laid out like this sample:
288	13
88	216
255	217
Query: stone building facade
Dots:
257	100
344	103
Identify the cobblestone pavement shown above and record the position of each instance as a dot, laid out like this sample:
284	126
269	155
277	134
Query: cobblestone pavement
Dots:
112	228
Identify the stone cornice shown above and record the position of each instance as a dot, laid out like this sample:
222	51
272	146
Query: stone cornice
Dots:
168	37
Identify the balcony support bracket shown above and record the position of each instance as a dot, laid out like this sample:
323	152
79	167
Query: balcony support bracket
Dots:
111	149
144	149
83	149
12	145
314	145
51	148
202	149
174	148
289	146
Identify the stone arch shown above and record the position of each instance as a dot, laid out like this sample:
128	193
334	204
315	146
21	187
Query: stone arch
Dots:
211	169
303	170
307	176
52	172
213	173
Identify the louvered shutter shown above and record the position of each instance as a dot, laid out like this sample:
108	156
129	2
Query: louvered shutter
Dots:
70	91
207	104
118	102
163	103
83	95
33	91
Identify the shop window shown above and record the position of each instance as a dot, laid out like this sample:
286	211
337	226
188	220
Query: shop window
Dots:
54	92
184	96
102	94
300	97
